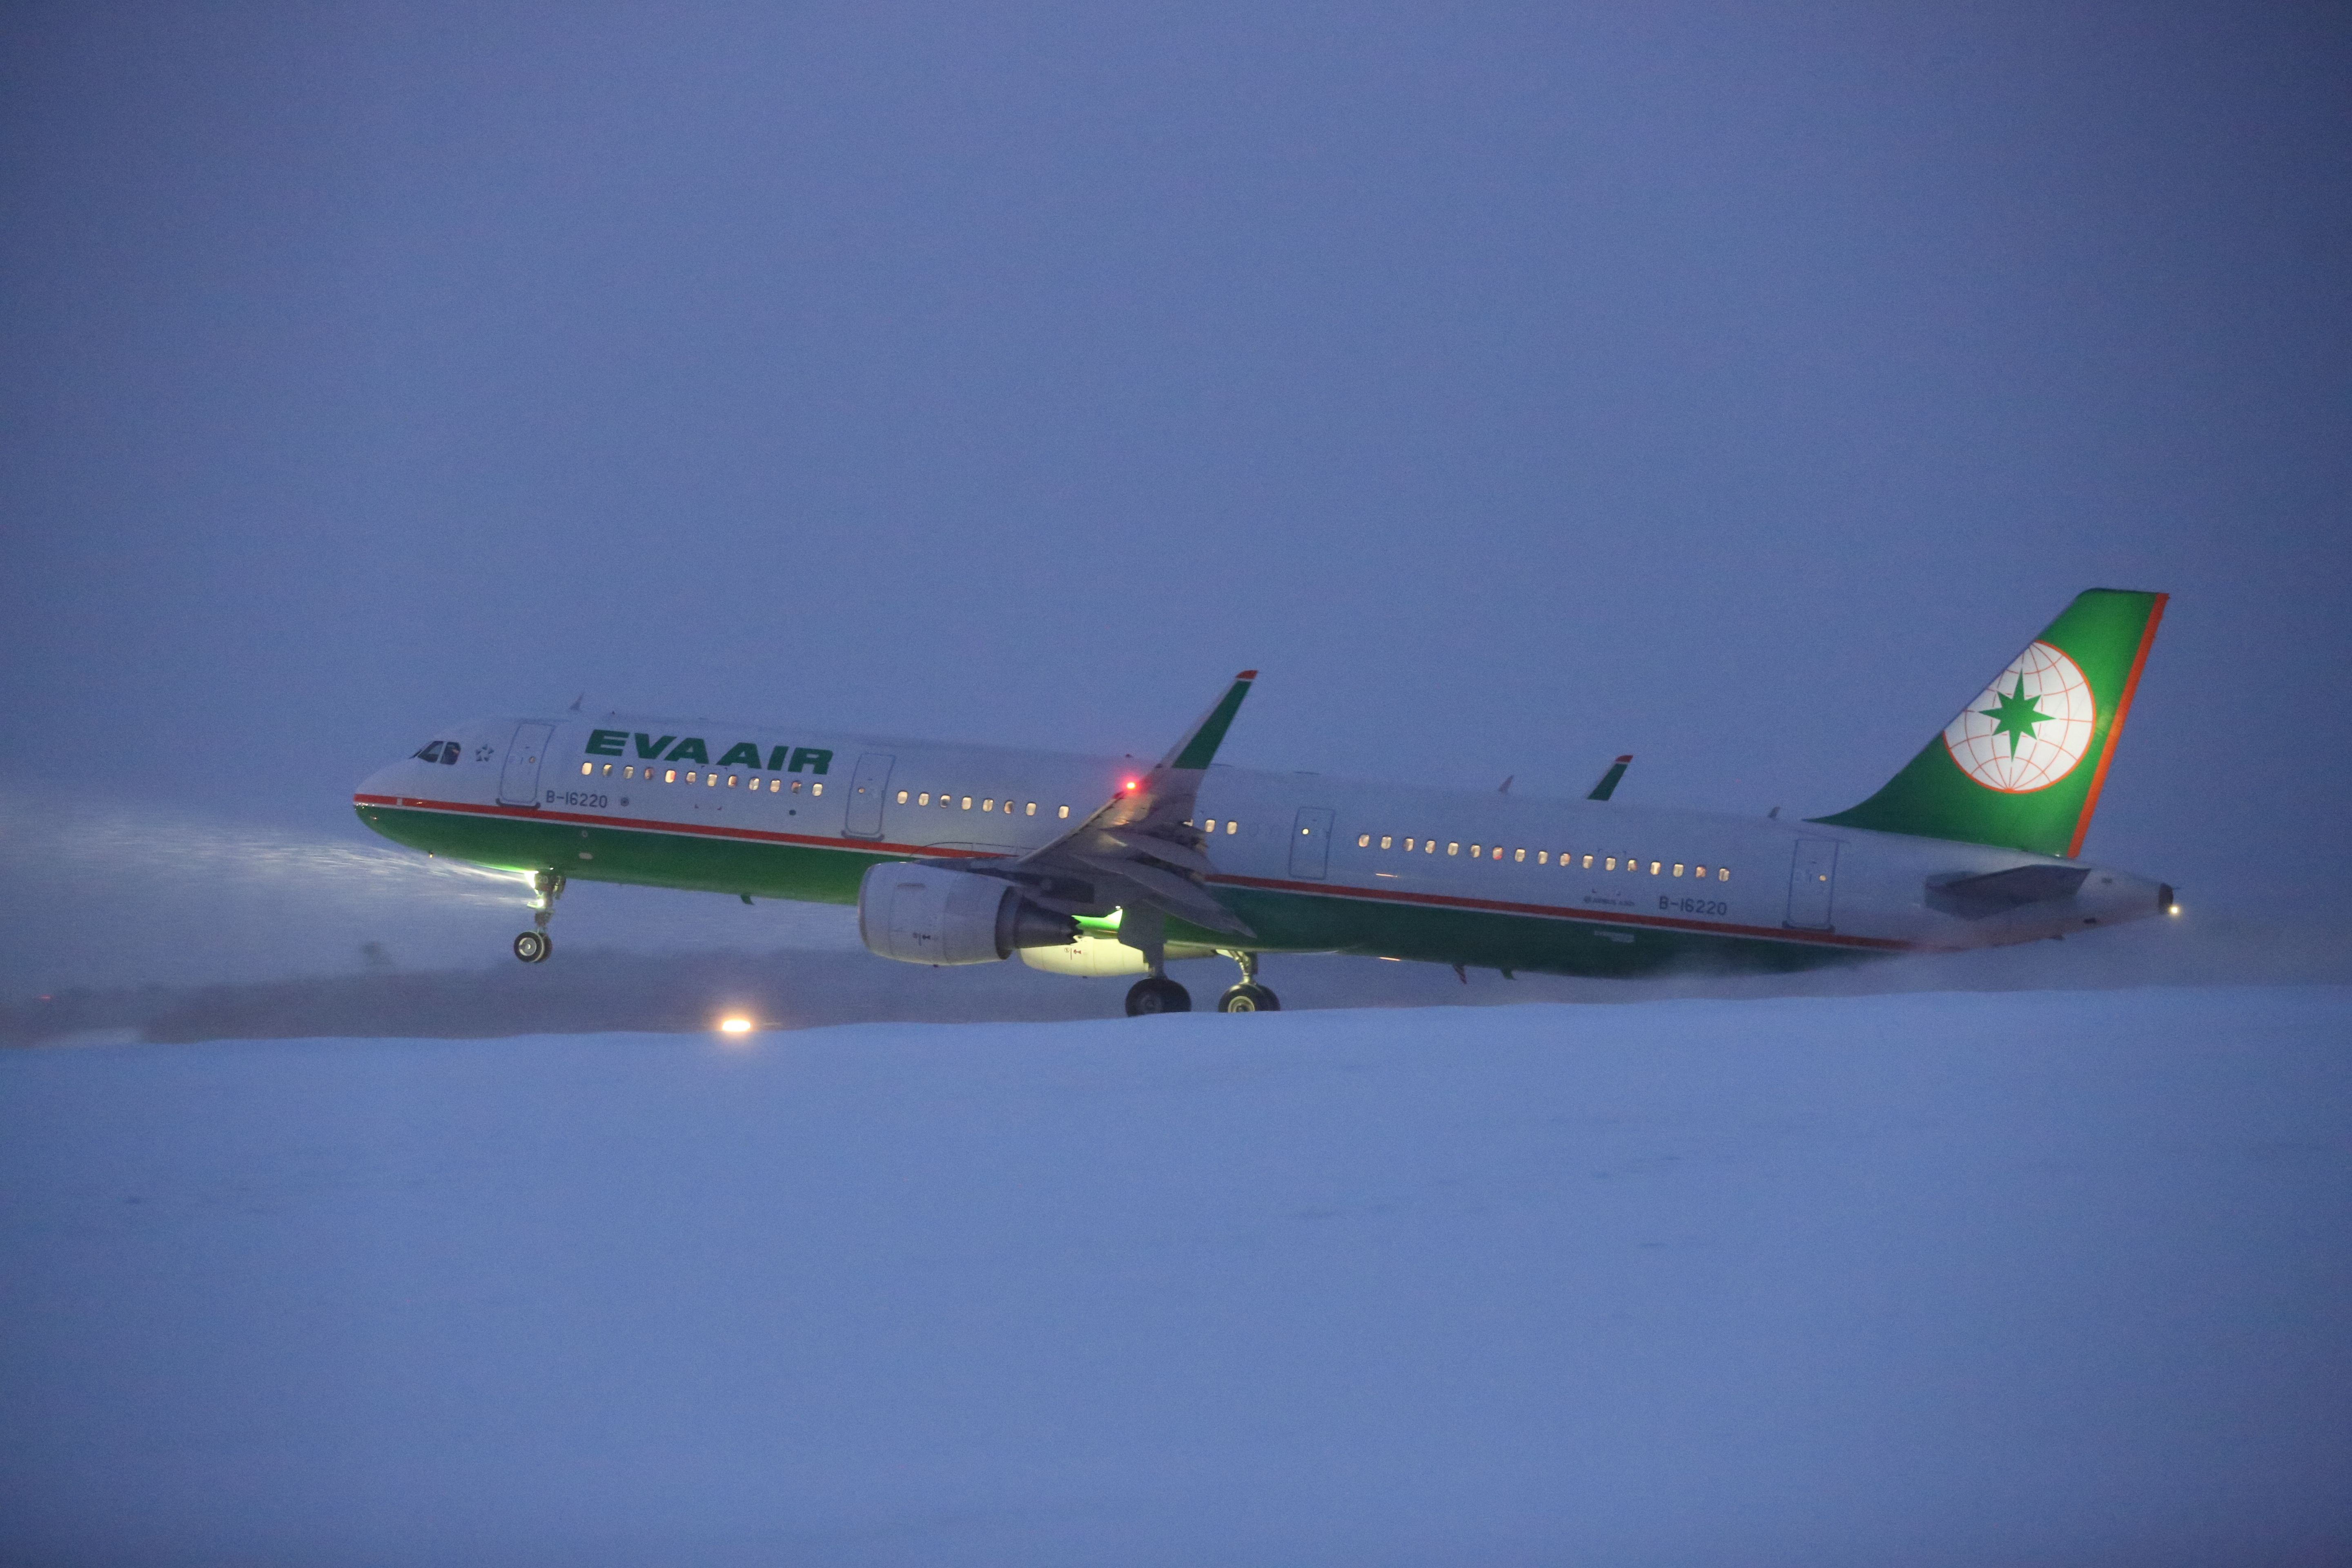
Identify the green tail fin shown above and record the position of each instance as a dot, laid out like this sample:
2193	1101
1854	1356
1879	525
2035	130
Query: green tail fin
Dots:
2022	765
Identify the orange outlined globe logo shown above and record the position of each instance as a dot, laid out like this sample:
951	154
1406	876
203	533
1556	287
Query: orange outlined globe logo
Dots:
2030	726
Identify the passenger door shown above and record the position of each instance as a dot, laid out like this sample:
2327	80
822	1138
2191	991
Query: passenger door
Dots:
518	780
866	787
1812	883
1310	844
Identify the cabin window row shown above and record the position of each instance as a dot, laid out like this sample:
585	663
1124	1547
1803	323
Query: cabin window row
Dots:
948	801
1567	858
708	780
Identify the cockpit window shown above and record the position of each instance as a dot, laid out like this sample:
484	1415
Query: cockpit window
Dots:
448	751
438	751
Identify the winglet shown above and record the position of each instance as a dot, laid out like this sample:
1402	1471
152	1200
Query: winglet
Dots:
1201	742
1608	784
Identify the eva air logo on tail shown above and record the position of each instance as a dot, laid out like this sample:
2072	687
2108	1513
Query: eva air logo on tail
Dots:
2030	726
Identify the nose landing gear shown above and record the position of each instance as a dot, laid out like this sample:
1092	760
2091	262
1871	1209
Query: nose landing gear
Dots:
533	945
1248	996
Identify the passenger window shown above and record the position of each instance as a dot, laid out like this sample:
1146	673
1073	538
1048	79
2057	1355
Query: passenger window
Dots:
1475	852
1363	841
669	776
1543	857
1386	841
1065	811
796	786
816	789
1232	826
608	771
989	805
1678	868
1519	855
924	798
1409	846
1454	848
711	780
587	768
1032	811
730	781
1654	867
691	777
776	785
1723	874
1612	863
967	802
630	771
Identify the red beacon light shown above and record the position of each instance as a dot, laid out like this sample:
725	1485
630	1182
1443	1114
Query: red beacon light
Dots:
1130	786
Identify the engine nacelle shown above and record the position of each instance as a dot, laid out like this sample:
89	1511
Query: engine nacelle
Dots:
928	914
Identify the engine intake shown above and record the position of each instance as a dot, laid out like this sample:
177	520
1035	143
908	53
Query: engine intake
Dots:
928	914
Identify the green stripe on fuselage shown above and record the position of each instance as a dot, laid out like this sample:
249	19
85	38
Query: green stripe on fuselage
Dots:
1283	921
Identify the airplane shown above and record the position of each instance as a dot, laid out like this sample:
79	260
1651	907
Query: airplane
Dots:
960	854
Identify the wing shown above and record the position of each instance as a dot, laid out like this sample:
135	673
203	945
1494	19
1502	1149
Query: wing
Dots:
1140	847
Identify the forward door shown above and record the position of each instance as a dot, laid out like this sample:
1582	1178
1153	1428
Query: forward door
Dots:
518	780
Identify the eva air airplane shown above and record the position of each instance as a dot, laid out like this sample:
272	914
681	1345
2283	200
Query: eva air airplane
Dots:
967	854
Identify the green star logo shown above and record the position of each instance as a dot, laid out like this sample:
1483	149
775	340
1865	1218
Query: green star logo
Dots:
2014	714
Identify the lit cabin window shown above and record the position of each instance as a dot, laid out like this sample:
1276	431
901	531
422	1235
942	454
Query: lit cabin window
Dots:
691	777
1654	867
1519	855
1678	868
1587	862
1429	846
669	776
1700	872
1454	848
730	781
1387	842
796	786
1065	811
608	771
967	802
776	785
1210	825
1232	826
924	798
1474	852
1543	857
1612	865
1032	809
902	797
630	771
711	780
1723	874
988	804
1410	846
587	768
816	789
1363	841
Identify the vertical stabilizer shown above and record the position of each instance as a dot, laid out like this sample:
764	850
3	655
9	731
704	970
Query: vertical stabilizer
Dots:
2022	765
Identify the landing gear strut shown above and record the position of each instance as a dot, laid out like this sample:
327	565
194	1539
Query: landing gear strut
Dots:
533	945
1249	996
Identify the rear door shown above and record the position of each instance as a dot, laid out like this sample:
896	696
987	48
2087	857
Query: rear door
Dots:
518	780
1310	844
866	787
1812	883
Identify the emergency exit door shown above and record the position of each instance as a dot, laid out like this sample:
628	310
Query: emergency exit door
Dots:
1310	844
866	790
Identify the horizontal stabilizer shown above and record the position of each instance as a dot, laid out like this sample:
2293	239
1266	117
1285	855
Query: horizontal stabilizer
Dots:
1998	892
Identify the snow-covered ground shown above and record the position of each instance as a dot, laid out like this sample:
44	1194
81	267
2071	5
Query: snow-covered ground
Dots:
2025	1277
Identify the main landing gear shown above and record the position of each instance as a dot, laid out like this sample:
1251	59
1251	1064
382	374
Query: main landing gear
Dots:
533	945
1157	994
1248	996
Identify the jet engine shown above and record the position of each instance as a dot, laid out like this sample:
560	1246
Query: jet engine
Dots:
928	914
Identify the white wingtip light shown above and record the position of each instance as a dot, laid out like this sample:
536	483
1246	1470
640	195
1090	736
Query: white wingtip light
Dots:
735	1025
